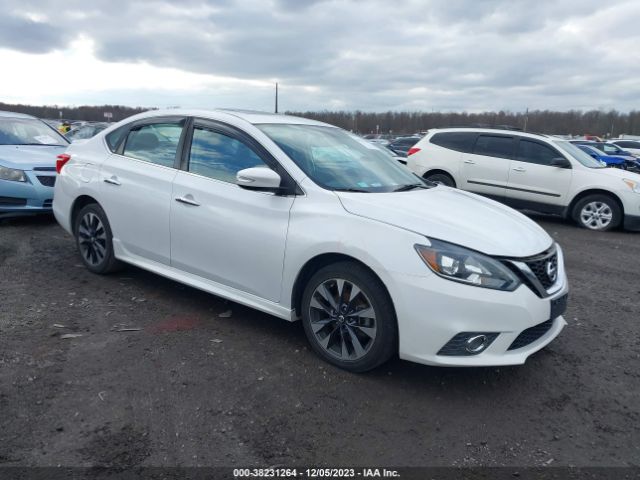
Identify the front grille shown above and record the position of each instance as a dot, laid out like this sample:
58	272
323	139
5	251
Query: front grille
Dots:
47	181
542	267
13	201
47	203
530	335
44	169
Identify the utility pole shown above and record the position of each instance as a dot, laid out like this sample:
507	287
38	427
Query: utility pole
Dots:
526	119
276	97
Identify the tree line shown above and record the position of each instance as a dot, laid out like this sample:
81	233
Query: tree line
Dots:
572	122
93	113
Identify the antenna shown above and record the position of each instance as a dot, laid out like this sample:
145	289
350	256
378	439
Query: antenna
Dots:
276	97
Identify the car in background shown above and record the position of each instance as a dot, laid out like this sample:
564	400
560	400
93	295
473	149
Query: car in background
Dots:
28	151
530	171
303	220
631	146
401	145
608	160
85	131
612	149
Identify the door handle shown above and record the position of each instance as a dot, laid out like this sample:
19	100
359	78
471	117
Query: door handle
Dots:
113	180
519	169
188	200
469	161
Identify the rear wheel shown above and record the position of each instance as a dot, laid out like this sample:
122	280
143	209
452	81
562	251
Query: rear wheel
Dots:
597	212
94	240
441	179
349	318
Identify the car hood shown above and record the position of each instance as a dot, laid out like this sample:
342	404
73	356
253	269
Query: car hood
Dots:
453	216
26	157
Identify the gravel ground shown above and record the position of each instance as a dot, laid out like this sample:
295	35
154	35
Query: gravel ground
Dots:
189	385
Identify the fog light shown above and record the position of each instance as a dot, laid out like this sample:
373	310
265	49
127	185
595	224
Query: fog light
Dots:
476	343
465	344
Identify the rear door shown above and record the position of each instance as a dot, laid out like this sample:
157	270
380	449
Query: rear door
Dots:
136	187
485	170
533	182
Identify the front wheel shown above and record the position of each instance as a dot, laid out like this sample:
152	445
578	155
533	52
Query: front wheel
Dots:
94	240
349	318
597	212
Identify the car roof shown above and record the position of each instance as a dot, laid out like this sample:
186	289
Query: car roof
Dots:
250	116
502	131
6	114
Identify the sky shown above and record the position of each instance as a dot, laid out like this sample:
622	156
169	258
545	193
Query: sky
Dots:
369	55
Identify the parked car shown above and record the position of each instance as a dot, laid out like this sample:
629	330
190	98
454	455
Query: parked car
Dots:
631	146
85	131
608	160
302	220
611	149
401	145
530	171
28	150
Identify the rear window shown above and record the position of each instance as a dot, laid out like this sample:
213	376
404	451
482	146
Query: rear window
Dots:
494	146
458	141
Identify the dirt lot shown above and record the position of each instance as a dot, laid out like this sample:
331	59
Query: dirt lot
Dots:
191	387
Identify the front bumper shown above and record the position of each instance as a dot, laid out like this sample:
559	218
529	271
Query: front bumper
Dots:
27	198
432	310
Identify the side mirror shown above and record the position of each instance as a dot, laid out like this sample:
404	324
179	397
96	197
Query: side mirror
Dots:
560	162
258	178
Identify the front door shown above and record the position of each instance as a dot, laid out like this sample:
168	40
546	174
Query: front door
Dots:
219	230
533	182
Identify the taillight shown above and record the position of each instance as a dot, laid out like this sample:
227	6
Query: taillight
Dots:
412	150
62	159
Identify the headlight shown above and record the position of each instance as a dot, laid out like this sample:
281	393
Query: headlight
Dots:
12	174
632	184
466	266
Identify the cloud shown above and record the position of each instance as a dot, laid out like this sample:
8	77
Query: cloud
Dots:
373	55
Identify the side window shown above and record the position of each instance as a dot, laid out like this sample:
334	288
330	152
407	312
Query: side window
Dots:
458	141
609	149
113	139
219	156
494	146
534	152
154	143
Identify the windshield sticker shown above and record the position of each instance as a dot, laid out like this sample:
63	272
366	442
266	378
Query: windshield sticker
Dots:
45	139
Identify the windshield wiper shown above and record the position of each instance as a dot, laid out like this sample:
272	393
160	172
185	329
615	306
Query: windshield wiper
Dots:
410	186
357	190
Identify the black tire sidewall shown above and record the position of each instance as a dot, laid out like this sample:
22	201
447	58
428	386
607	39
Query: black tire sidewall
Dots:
444	179
385	343
612	203
108	262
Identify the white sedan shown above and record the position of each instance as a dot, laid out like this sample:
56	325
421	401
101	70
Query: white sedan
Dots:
303	220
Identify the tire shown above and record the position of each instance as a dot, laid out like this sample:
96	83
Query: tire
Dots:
441	179
94	240
356	343
597	212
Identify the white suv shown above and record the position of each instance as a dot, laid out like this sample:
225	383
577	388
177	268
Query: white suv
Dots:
530	171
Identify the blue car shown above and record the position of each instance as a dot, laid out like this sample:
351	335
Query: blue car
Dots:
28	151
610	160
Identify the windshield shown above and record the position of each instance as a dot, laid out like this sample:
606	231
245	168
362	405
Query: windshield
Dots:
337	160
581	156
28	131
